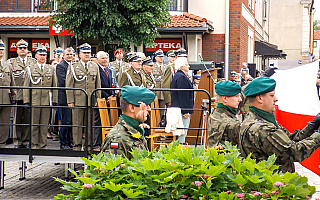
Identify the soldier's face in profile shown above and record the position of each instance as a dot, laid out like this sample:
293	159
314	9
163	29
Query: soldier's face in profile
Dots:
269	101
22	51
159	59
136	65
85	56
148	68
171	59
1	52
233	101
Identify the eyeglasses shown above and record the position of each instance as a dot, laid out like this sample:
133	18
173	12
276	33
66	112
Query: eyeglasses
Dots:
22	48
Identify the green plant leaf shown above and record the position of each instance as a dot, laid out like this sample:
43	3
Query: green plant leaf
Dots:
131	194
113	187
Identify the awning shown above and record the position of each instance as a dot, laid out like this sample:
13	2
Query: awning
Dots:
268	50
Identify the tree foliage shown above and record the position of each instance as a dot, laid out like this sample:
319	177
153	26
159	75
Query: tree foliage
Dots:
128	21
317	25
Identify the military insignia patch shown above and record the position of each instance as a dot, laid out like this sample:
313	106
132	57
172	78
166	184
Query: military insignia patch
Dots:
270	126
114	145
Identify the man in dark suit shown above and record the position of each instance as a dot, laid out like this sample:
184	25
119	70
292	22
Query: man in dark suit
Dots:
106	82
66	115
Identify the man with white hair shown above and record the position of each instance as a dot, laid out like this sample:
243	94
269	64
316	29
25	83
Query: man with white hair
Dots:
106	82
182	99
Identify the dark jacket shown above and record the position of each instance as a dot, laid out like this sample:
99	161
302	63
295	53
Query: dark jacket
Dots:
106	82
182	99
61	71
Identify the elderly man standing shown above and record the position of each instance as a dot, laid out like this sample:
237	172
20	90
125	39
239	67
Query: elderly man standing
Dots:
223	124
40	75
85	75
119	66
7	96
66	115
133	75
20	114
122	138
106	82
261	135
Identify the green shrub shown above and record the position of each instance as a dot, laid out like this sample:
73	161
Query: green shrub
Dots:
176	172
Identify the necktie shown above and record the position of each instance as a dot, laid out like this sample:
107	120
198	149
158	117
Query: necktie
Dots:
41	68
105	70
24	63
86	66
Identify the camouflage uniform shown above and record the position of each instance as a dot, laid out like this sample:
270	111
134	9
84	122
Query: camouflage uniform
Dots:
223	126
120	141
263	139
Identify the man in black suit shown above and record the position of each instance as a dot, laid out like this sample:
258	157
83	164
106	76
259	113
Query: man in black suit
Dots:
106	82
66	115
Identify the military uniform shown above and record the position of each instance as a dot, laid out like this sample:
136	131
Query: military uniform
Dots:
36	77
150	82
120	141
167	78
133	78
88	79
223	126
119	68
262	139
261	136
6	98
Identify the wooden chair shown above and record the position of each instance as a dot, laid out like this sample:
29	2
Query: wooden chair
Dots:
104	114
155	120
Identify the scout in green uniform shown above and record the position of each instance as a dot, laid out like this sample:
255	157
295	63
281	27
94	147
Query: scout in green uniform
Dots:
223	124
119	66
167	77
20	114
85	75
133	75
120	139
7	96
262	136
147	66
40	75
158	72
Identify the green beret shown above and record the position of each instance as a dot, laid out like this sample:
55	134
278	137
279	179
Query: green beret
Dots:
259	86
135	94
227	88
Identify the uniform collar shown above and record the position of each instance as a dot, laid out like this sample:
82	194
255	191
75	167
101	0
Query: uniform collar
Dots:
84	64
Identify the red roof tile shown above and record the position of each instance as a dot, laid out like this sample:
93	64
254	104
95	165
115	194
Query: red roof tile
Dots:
316	35
188	20
25	21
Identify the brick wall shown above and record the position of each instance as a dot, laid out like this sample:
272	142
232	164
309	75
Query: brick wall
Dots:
213	47
235	35
15	5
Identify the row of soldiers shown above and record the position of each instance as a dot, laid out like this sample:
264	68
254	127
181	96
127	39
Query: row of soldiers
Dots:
259	134
30	72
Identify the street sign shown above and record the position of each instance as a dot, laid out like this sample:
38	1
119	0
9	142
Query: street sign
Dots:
57	30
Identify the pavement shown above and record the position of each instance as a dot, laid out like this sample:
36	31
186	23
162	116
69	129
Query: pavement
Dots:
39	183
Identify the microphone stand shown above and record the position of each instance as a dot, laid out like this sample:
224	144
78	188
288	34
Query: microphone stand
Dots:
201	61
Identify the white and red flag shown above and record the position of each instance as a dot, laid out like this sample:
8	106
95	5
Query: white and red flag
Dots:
298	102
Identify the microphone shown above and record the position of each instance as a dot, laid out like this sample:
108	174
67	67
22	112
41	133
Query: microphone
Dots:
200	57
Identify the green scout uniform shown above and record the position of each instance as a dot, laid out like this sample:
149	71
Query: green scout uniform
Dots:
120	138
20	114
6	98
40	76
167	78
133	78
119	68
88	79
262	136
223	124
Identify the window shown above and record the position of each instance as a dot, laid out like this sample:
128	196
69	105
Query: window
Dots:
43	5
315	44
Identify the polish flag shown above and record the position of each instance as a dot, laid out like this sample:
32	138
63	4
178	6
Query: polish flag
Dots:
298	102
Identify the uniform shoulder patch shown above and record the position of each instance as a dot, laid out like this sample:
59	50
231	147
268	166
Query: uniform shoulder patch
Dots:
114	145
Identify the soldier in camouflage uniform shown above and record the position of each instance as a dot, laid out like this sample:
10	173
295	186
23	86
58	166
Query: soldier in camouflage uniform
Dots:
7	96
147	66
133	75
120	140
21	114
223	124
262	136
167	77
119	66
